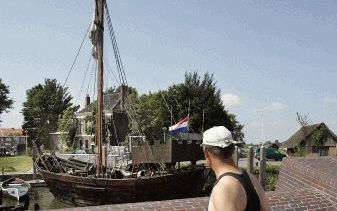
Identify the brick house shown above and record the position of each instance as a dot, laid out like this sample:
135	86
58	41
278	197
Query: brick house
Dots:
11	140
302	142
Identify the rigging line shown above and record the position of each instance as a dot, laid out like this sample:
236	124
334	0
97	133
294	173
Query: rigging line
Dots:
111	72
92	73
166	104
129	113
112	41
115	46
65	81
132	114
119	64
83	81
78	52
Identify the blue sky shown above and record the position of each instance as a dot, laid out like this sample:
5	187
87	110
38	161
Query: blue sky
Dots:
270	57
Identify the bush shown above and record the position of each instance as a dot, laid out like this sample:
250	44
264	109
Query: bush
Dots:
272	172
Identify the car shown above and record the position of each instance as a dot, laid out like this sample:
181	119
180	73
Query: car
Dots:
271	153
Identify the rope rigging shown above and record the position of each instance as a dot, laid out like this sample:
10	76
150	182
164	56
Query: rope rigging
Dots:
64	83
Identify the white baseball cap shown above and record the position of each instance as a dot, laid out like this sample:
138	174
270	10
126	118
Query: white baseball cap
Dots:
218	136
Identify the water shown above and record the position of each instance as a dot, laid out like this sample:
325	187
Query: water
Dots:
43	197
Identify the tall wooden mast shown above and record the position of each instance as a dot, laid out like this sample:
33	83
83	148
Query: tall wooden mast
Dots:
99	116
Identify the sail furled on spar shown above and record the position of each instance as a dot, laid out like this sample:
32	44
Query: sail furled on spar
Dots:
93	35
180	127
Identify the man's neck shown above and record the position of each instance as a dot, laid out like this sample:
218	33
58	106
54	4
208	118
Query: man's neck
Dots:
220	167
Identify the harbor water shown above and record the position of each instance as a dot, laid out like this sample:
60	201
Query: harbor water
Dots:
43	197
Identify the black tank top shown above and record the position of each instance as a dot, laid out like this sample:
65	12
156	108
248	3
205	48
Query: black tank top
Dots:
253	200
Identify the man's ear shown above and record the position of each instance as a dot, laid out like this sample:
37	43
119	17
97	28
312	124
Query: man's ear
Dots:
205	152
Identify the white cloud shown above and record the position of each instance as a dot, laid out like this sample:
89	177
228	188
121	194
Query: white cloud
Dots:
330	100
231	100
276	106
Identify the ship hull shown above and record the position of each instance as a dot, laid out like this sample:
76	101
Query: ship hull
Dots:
92	191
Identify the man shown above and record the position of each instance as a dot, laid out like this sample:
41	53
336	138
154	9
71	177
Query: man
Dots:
234	189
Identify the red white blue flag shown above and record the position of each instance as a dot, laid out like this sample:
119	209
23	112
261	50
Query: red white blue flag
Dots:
180	127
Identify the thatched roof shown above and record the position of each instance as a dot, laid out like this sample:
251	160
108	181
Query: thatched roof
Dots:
303	134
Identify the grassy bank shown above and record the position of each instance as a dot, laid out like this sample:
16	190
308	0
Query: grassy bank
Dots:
20	163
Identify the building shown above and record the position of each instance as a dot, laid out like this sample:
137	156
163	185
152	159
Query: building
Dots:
115	119
302	143
12	141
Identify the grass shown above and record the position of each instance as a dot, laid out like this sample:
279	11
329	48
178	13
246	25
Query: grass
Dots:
21	163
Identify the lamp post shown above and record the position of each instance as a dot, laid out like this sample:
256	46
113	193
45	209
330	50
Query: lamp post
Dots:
26	139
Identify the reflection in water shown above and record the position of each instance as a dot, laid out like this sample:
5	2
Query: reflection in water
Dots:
43	197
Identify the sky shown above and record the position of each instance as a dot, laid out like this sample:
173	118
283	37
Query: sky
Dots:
270	59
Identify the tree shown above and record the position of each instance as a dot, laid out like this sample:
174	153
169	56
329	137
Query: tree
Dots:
67	126
5	102
44	104
302	119
150	115
319	136
198	93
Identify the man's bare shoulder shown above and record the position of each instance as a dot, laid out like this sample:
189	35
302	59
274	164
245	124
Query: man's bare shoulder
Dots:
228	194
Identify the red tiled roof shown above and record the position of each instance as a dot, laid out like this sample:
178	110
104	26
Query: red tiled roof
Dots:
6	132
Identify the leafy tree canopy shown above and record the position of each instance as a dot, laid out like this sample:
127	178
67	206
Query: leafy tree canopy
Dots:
319	135
44	104
198	93
5	102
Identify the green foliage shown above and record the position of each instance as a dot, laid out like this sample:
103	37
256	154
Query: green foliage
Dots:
319	135
272	172
67	126
299	149
42	108
202	95
5	102
151	114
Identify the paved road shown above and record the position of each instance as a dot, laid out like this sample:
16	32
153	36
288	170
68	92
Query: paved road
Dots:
243	162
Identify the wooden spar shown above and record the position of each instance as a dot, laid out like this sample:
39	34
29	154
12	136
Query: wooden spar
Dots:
99	116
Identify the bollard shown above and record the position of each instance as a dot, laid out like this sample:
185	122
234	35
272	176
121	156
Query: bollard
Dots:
250	160
262	166
236	155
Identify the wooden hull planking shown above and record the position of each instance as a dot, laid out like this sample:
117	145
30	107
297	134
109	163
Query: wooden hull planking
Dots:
92	191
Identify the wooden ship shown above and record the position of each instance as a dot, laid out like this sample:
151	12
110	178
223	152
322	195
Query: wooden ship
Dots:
151	176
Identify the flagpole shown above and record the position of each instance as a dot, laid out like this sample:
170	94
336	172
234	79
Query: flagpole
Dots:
171	116
203	121
188	115
171	112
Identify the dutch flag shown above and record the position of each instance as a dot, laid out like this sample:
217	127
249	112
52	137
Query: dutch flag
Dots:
180	127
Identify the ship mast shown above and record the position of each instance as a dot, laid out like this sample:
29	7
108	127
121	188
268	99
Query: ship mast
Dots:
99	116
